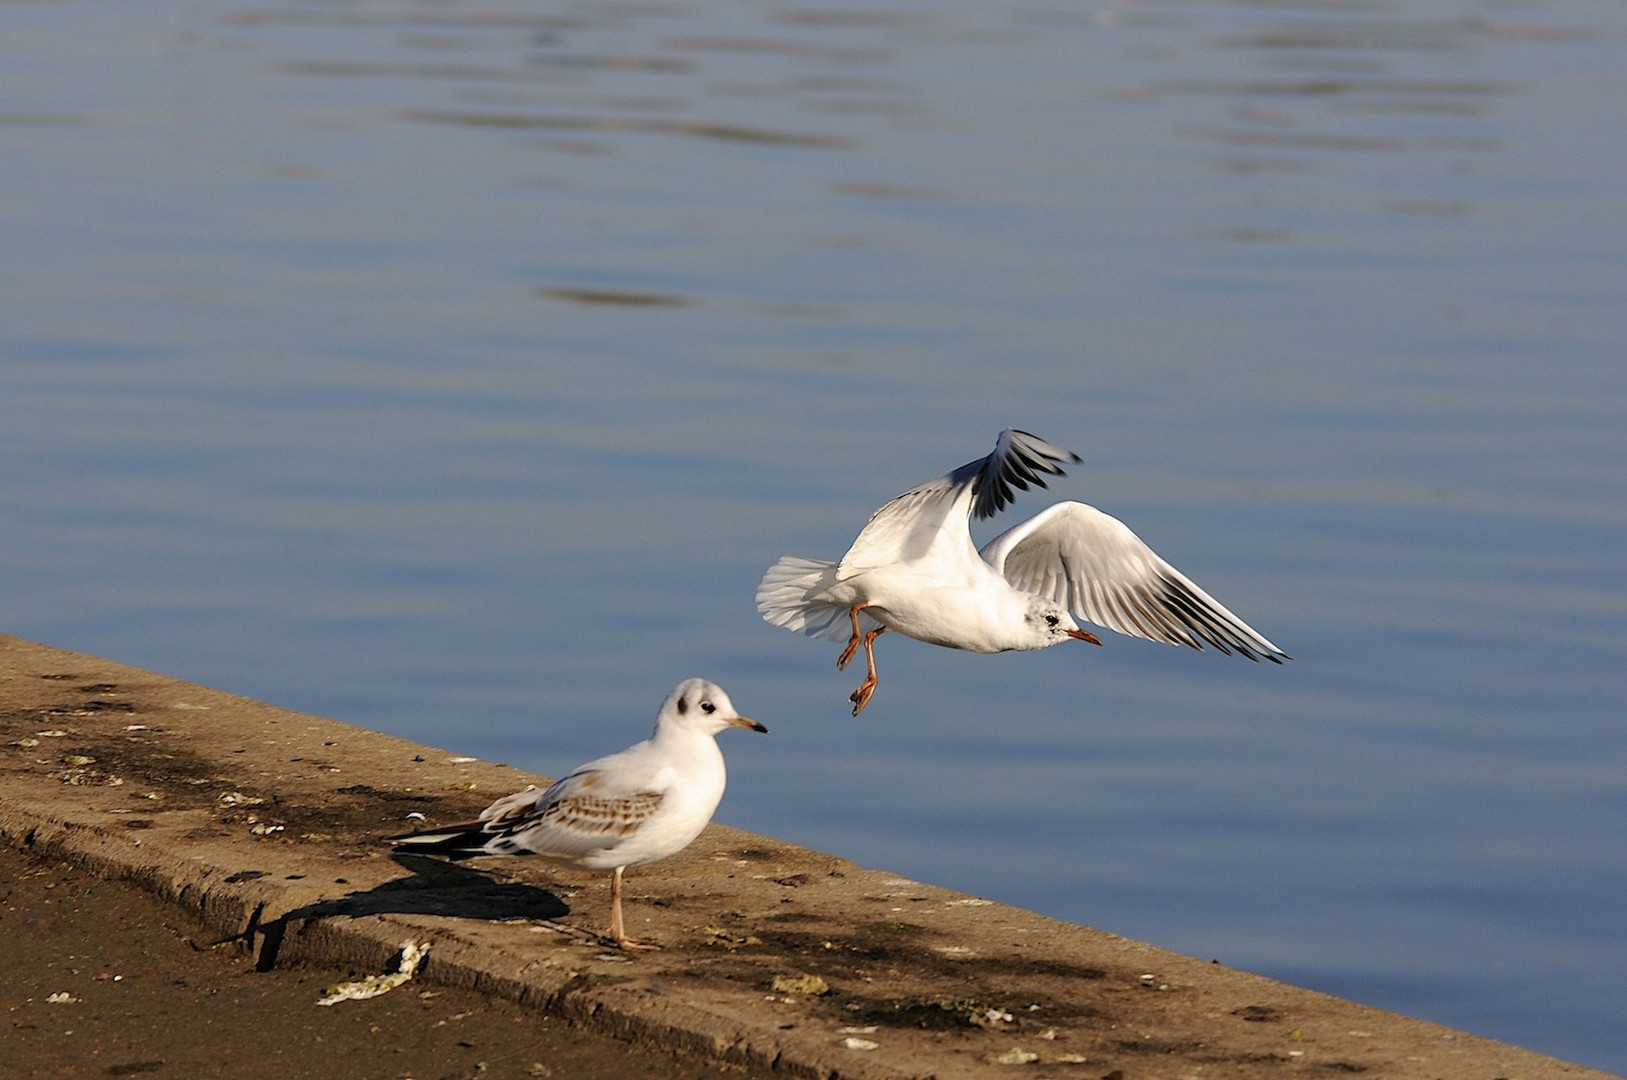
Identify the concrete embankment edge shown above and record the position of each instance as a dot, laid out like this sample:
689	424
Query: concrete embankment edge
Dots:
268	823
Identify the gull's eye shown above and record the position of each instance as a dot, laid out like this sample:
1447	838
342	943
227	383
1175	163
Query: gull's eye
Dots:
1051	620
708	707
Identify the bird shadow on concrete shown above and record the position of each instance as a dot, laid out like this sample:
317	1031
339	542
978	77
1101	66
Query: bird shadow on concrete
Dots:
434	888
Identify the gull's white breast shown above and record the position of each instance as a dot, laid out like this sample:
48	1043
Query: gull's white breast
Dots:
975	611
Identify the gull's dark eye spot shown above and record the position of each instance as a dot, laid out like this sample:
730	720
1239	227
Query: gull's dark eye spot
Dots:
1051	620
708	707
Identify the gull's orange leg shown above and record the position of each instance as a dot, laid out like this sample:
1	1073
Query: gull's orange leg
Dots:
861	697
853	642
618	931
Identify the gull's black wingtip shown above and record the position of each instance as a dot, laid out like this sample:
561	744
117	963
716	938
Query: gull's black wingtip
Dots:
1021	459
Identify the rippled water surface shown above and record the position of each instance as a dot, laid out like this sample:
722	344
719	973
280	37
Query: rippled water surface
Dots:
456	368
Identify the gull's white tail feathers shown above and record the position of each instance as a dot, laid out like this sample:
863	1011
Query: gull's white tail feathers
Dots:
788	597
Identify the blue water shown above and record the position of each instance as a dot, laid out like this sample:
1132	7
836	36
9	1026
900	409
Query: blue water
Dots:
456	369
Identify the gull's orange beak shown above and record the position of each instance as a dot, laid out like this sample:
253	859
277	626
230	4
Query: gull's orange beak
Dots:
748	722
1084	635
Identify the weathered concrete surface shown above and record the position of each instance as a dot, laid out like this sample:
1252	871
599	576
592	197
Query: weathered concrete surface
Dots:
268	822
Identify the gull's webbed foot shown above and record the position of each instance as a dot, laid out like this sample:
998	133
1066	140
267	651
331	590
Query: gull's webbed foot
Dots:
861	697
628	944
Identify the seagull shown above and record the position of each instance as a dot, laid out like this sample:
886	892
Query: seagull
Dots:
640	805
914	570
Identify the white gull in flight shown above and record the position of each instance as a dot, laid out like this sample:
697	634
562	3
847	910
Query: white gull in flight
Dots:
640	805
913	569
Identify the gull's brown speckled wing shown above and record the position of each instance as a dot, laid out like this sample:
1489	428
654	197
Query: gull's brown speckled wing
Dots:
593	815
568	820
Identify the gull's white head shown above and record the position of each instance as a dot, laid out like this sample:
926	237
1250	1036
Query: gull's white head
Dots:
700	705
1049	623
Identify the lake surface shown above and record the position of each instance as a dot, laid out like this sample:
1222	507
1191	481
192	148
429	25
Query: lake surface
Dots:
455	369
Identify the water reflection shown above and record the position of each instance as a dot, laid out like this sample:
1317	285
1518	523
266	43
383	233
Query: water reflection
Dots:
607	296
647	126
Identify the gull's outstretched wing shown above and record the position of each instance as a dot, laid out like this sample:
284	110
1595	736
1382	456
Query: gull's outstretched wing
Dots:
1094	565
929	522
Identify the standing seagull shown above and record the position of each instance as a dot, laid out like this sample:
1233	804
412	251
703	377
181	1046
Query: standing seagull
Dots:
914	570
640	805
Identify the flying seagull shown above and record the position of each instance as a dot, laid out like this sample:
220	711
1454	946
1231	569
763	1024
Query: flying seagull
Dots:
914	570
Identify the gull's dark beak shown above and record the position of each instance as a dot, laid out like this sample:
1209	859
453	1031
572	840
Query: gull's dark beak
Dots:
748	722
1084	635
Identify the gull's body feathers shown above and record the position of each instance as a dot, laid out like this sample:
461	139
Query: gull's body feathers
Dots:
914	565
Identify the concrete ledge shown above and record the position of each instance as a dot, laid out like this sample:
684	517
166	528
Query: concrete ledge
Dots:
267	822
